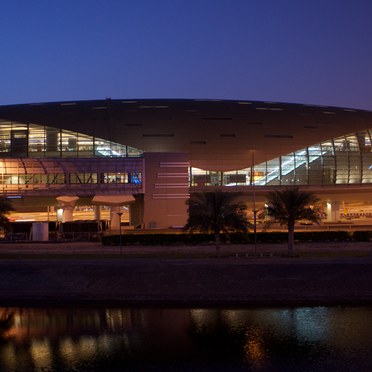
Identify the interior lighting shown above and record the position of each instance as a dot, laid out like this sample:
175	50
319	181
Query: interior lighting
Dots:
106	151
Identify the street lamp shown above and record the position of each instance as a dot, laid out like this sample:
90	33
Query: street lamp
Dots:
120	214
254	202
255	228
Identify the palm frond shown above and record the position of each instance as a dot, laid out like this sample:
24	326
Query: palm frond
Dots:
215	212
292	204
5	208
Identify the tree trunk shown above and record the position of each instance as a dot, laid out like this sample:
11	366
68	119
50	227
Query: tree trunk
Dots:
217	239
291	227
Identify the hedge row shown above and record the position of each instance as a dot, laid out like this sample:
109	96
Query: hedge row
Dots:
172	239
234	238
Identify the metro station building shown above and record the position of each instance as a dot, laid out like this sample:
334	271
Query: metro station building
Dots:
144	157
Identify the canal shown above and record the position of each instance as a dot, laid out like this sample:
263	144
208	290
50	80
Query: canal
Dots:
194	339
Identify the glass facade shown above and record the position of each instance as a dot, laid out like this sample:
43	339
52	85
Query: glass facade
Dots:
36	159
35	176
35	141
342	160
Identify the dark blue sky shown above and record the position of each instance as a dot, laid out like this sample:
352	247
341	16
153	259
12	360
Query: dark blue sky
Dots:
306	51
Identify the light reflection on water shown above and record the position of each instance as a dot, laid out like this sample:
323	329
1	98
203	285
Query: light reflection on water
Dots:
306	339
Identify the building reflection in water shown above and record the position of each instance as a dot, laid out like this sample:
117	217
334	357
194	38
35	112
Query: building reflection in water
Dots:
38	337
254	347
41	353
42	338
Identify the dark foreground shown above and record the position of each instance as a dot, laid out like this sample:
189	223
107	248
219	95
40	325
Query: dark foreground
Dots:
147	281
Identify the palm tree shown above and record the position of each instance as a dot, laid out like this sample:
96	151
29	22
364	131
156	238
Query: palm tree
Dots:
5	208
291	205
216	212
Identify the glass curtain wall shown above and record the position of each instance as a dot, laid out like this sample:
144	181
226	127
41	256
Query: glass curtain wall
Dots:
31	140
37	158
343	160
31	174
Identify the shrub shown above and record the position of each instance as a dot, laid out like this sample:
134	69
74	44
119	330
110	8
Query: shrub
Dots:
362	236
172	239
234	238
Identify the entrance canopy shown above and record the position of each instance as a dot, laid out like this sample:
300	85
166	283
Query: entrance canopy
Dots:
112	200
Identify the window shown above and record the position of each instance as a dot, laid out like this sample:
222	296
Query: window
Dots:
115	178
83	178
32	140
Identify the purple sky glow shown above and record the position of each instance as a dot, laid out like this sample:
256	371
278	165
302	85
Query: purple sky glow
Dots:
315	52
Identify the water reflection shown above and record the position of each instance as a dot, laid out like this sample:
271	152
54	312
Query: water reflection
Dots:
183	339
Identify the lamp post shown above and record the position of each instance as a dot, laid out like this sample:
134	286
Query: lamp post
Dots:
255	228
254	202
120	214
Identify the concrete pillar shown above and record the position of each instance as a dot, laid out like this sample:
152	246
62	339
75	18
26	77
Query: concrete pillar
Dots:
68	204
115	202
167	189
50	210
97	212
59	213
67	214
114	218
333	211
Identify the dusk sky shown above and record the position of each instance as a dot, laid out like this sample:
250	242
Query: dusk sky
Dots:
303	51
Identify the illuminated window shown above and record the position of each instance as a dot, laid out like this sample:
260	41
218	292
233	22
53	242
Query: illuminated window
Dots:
32	140
56	178
115	178
83	178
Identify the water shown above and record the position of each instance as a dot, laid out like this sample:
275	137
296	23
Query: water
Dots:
122	339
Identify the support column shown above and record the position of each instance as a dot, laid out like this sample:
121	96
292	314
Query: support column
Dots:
68	204
50	210
97	212
333	211
165	198
114	202
114	217
67	214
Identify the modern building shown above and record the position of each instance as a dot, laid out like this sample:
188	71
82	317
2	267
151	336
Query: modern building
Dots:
149	154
